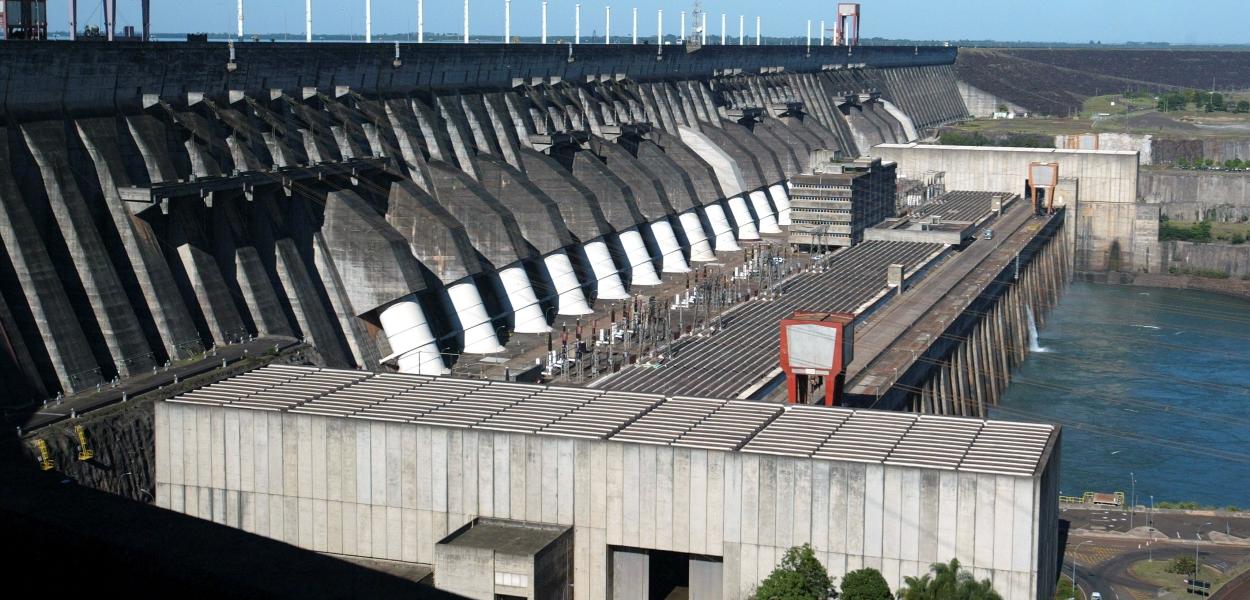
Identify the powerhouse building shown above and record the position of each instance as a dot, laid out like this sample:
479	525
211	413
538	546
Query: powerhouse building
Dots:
833	205
636	493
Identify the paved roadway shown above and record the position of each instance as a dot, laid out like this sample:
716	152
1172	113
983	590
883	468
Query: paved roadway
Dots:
745	350
884	328
106	395
1102	565
1173	524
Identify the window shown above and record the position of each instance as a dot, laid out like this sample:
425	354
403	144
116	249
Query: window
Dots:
512	579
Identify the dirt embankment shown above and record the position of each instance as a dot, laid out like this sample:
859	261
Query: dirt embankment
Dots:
1057	81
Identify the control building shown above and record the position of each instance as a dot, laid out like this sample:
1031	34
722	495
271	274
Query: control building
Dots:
840	198
616	494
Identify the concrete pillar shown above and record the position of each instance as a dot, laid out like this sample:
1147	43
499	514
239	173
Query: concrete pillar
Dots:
700	250
572	301
604	268
410	337
479	331
764	212
781	199
742	216
641	267
672	260
527	313
722	232
630	575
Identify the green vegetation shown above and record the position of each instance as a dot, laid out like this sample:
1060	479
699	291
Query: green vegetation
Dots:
1166	504
1182	565
865	584
1170	576
1203	231
948	582
1207	273
1064	590
1184	232
799	577
1202	101
1207	164
1011	139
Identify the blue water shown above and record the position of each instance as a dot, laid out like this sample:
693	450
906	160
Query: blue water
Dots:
1150	382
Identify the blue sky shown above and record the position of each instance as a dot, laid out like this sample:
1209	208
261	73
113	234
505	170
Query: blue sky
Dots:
1203	21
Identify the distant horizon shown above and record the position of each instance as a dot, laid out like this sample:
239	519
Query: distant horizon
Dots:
1112	22
456	36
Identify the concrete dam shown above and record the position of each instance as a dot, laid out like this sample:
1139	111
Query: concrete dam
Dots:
396	204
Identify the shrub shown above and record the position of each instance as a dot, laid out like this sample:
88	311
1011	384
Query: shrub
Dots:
1181	565
799	577
865	584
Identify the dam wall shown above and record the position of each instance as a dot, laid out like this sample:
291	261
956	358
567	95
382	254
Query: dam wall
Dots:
400	205
1198	195
1108	229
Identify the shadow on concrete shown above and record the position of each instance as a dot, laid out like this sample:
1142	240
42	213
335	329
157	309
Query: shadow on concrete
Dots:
67	539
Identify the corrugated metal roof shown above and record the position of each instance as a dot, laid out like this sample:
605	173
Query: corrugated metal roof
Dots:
839	434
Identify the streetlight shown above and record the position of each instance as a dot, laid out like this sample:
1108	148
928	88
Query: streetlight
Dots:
1074	551
1197	538
1132	507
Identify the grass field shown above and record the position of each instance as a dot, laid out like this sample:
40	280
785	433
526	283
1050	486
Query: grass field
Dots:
1156	573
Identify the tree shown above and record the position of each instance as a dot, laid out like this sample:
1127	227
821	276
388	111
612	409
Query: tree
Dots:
865	584
947	582
1243	106
1182	565
799	577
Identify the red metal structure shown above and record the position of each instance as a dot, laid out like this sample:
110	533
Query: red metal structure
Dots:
1043	176
844	35
816	347
24	19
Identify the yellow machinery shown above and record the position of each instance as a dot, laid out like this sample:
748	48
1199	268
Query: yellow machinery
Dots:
84	453
45	458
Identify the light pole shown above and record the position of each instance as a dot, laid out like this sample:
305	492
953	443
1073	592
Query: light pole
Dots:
1074	551
1132	509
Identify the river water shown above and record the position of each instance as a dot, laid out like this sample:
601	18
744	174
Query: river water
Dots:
1149	382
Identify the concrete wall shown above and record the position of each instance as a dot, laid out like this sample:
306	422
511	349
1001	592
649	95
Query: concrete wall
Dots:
1104	230
392	490
983	104
1188	257
1198	195
115	76
1141	144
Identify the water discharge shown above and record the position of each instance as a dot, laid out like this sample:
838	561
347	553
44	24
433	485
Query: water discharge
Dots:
1034	344
1151	382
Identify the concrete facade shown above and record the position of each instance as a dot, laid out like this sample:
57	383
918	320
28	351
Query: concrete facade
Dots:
1100	187
392	490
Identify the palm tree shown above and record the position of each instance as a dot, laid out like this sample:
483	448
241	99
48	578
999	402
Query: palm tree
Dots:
949	582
